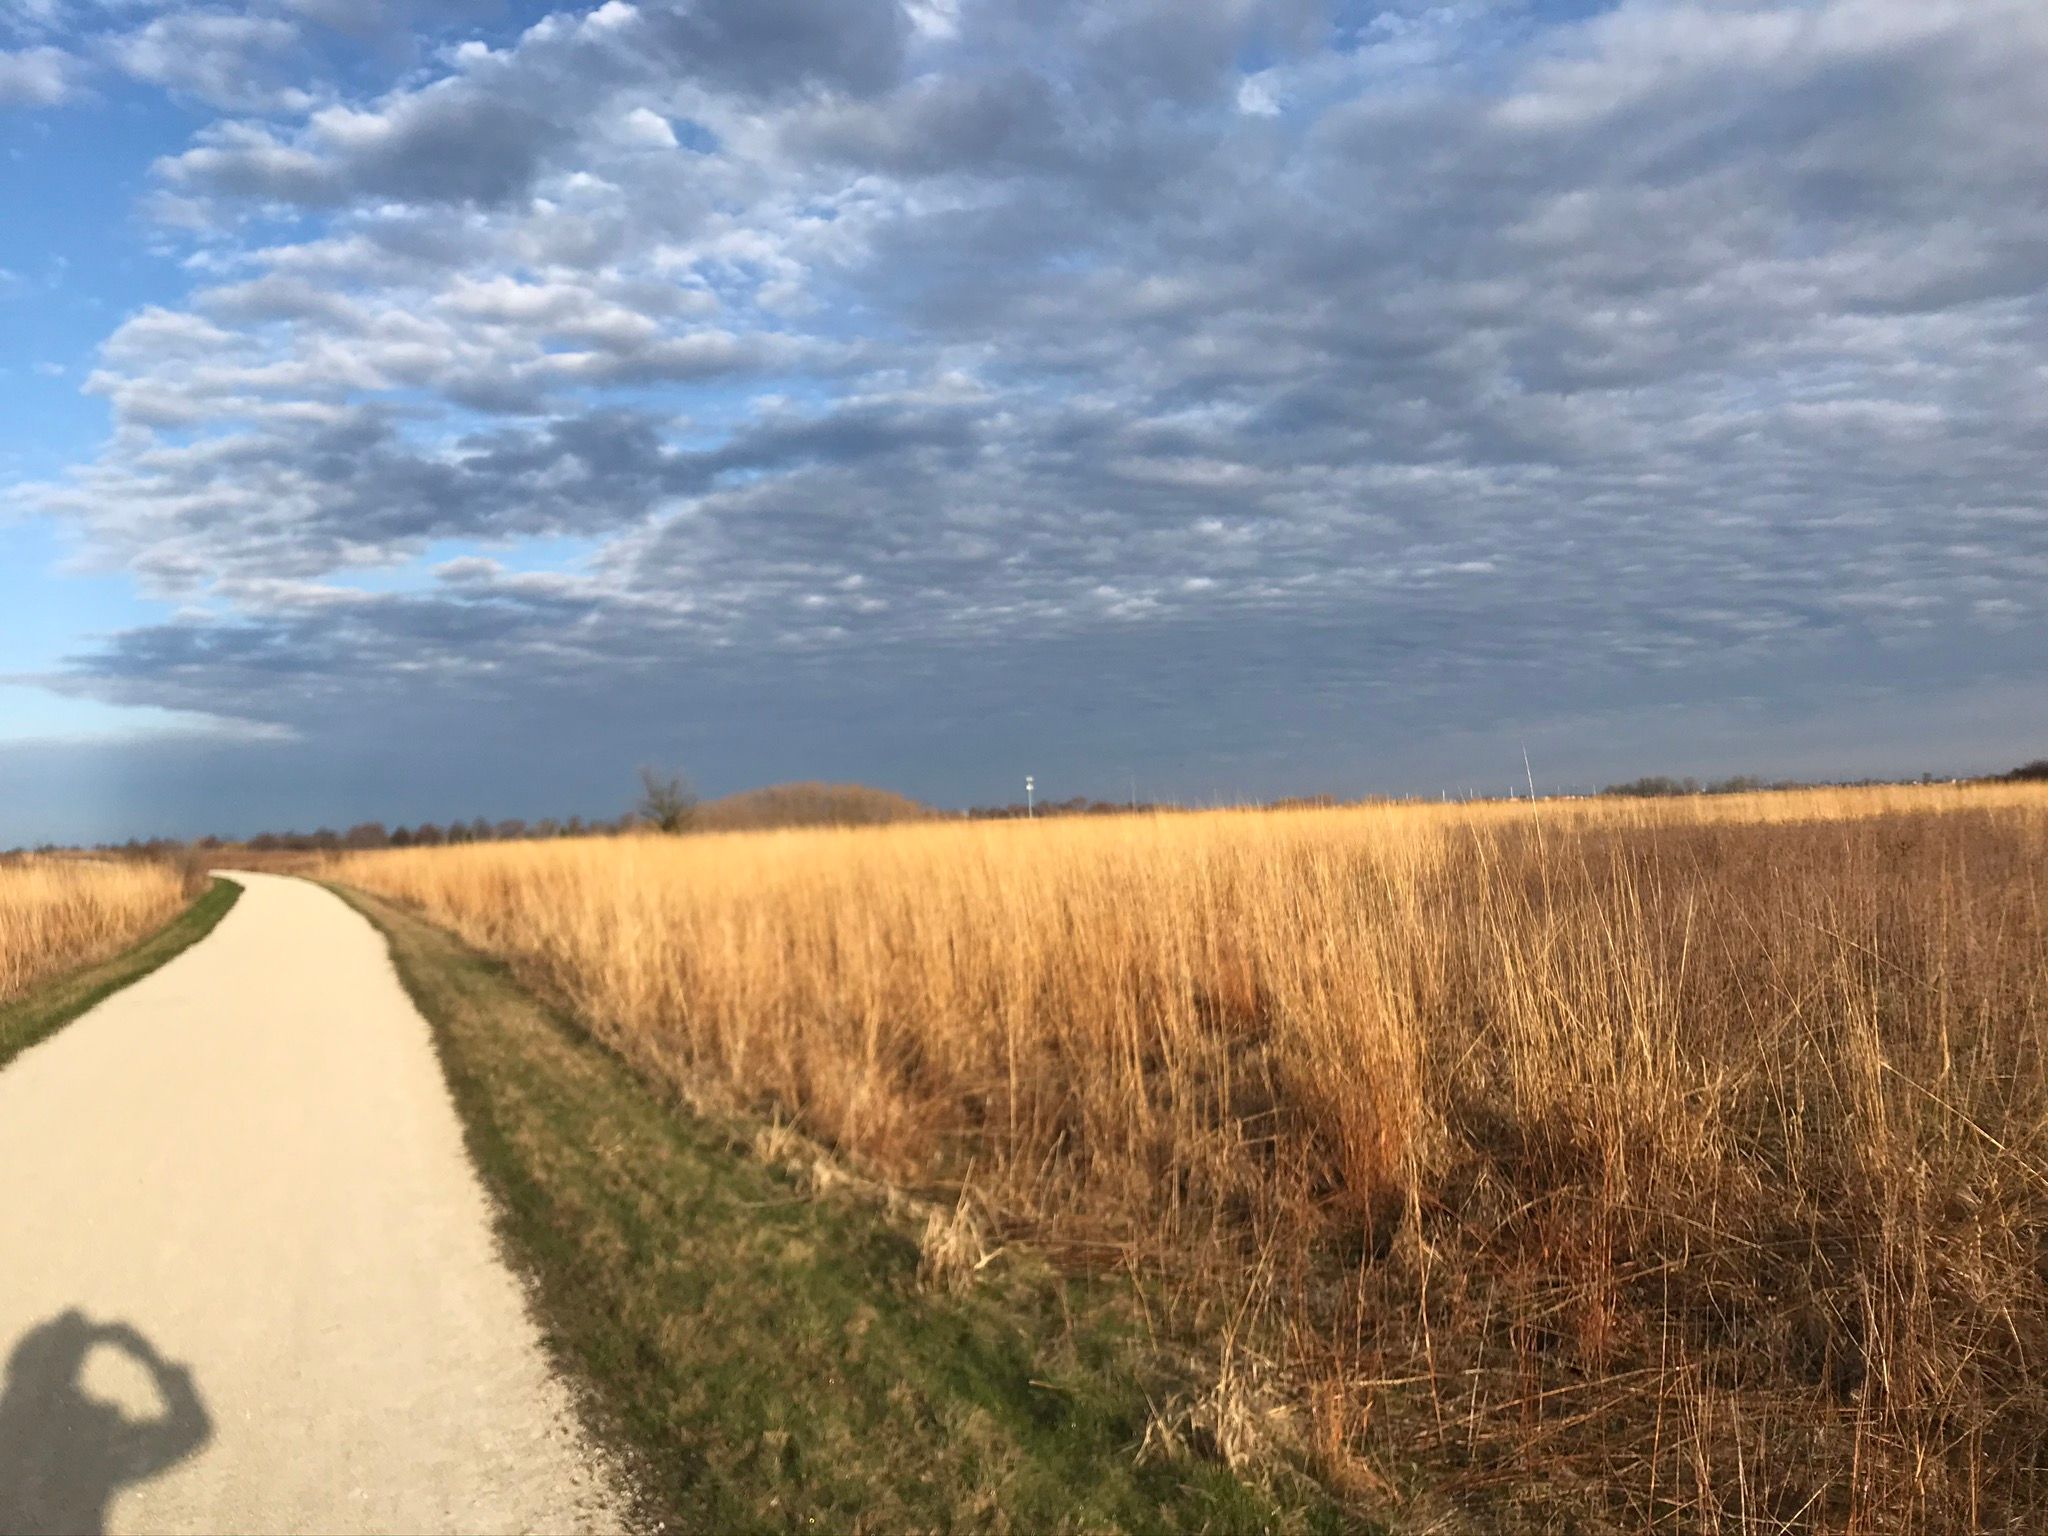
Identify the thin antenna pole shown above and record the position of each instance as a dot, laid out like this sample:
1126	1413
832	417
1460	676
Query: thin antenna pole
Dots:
1536	816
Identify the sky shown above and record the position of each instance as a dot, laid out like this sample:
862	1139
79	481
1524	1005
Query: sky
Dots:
427	410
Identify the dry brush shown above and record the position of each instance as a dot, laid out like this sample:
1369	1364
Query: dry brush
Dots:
1647	1165
59	914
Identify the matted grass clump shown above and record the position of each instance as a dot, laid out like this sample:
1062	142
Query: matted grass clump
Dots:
1591	1165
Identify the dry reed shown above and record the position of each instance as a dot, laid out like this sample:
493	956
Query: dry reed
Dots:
1594	1165
59	914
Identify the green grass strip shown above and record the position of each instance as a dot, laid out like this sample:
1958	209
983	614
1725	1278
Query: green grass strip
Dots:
762	1356
48	1008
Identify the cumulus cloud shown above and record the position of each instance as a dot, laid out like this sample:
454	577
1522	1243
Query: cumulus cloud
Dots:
36	77
224	58
1426	360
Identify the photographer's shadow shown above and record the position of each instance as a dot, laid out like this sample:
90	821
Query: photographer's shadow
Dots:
64	1454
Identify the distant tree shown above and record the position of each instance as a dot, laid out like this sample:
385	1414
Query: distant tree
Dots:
2038	769
509	831
366	834
1657	786
1740	784
401	837
667	803
808	805
574	827
427	835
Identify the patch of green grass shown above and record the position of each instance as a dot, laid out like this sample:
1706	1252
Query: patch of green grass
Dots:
765	1356
29	1020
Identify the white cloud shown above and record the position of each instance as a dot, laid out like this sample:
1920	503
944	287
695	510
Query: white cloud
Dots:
1256	96
647	129
224	58
37	77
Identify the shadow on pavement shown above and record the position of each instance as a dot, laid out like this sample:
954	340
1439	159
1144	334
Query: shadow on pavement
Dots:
64	1454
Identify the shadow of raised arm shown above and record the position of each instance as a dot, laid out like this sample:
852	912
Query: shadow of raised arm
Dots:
63	1453
143	1448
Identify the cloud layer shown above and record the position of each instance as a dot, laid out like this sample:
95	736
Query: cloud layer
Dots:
1667	351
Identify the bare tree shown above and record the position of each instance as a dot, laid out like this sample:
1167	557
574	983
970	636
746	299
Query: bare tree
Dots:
668	804
368	834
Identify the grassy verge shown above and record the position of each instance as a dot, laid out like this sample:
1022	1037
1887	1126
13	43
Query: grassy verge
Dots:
763	1354
34	1018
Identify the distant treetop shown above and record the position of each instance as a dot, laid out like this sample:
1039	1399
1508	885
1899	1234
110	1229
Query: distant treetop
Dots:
809	805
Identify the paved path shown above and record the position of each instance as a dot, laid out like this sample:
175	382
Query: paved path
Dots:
247	1276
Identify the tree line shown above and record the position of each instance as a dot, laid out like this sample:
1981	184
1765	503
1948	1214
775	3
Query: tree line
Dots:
1659	786
370	835
668	804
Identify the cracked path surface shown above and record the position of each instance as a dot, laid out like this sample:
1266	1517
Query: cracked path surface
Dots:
248	1279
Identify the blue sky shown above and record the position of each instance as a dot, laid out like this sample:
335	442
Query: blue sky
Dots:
415	411
77	259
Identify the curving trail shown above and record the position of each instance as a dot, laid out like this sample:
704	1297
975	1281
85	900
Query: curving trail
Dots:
247	1275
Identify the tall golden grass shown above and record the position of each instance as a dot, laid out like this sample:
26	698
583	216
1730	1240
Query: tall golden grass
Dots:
59	914
1591	1165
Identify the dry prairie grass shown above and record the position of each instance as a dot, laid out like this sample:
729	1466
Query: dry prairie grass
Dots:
1597	1165
57	915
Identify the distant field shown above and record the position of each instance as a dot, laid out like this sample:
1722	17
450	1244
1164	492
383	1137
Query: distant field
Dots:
1676	1164
57	915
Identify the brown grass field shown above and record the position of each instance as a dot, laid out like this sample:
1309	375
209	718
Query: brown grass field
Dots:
1596	1165
57	915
